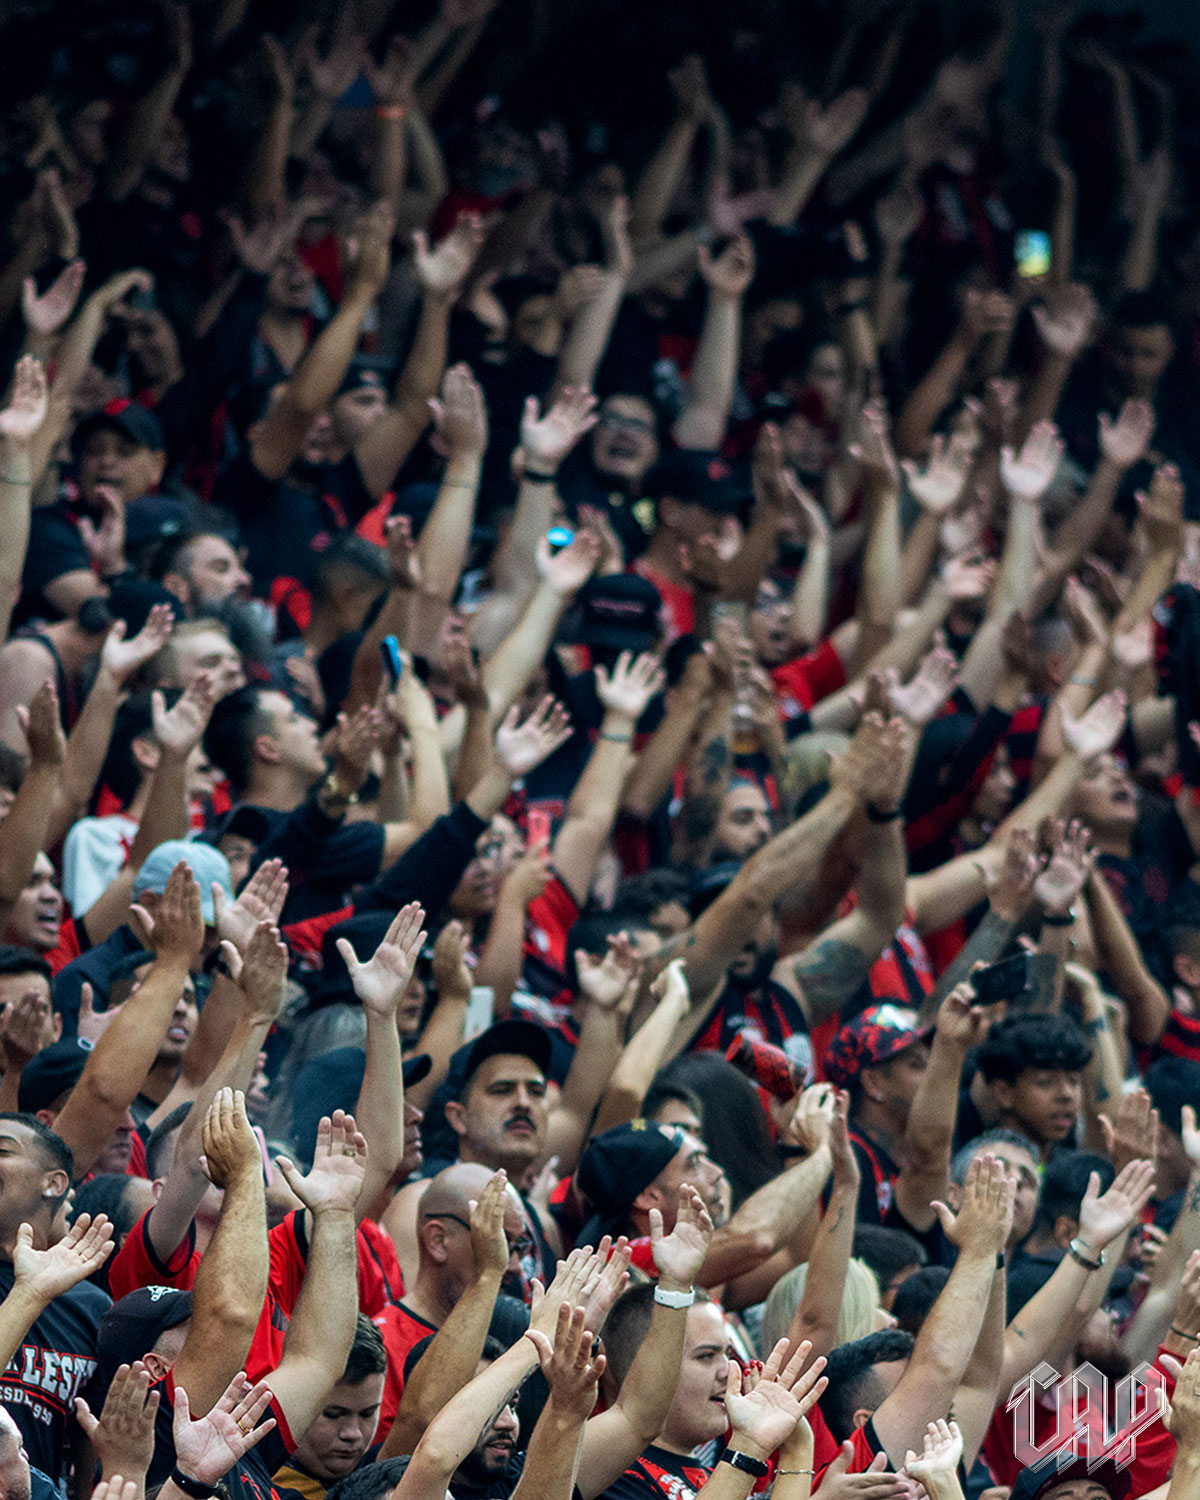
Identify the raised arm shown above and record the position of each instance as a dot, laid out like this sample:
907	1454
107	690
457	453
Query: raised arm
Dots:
125	1053
379	984
321	1328
279	437
451	1359
614	1439
704	419
572	1367
23	834
231	1282
948	1335
20	421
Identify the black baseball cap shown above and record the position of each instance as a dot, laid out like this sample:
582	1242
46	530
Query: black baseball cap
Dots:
243	822
132	1326
621	612
508	1038
129	419
48	1076
698	478
366	374
616	1167
1030	1483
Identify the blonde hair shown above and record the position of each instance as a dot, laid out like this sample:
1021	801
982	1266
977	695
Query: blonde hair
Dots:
856	1316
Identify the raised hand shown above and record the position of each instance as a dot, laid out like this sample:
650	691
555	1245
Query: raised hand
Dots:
606	981
1066	326
937	1466
180	729
1027	475
381	981
1124	441
522	746
79	1254
829	130
123	1434
874	447
27	406
489	1245
450	970
1067	869
1096	731
371	251
1010	888
968	576
678	1256
335	1180
764	1416
393	79
631	685
1134	1134
546	440
729	274
920	700
670	987
402	553
42	724
571	1369
261	900
26	1028
176	930
688	82
1162	507
567	571
261	974
47	313
354	740
939	486
121	658
229	1146
960	1022
1181	1414
206	1449
981	1226
1103	1219
611	1281
443	270
987	313
460	418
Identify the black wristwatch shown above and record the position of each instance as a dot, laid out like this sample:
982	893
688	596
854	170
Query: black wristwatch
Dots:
743	1461
194	1487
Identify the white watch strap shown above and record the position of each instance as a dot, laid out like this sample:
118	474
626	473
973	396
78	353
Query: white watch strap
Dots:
674	1299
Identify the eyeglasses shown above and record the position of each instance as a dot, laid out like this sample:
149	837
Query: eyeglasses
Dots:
522	1246
615	420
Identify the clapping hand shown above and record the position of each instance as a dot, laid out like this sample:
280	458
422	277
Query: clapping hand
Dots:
765	1415
679	1256
79	1254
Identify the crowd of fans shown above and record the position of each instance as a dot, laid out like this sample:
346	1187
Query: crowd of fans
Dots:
599	752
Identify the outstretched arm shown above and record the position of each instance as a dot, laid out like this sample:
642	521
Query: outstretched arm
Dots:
117	1067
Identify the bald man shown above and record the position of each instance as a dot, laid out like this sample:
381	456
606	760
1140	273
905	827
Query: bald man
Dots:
446	1268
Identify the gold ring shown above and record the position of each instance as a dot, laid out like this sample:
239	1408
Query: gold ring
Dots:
244	1426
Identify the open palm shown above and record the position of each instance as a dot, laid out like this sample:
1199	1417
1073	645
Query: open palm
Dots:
380	982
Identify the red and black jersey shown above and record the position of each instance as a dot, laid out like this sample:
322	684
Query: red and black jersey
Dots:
660	1475
402	1329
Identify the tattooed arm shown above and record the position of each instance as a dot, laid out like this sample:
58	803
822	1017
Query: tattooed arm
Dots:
708	771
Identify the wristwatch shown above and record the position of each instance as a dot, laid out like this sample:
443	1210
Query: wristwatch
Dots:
743	1461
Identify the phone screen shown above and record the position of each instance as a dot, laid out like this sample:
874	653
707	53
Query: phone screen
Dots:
1033	253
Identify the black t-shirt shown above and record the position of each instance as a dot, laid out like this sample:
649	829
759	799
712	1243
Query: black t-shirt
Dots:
50	1369
325	867
659	1475
55	547
1160	858
284	525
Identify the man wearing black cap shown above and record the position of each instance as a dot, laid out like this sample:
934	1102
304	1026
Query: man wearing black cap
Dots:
121	454
59	1352
46	1084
